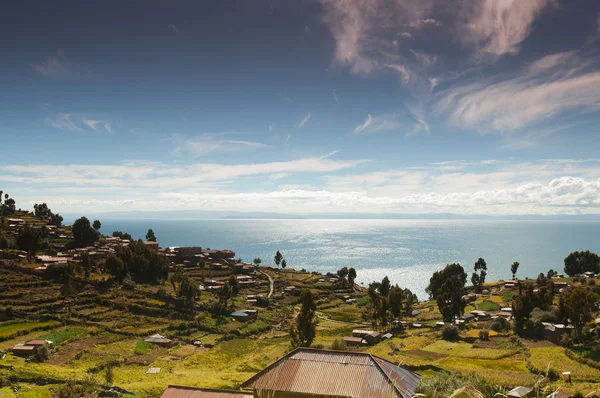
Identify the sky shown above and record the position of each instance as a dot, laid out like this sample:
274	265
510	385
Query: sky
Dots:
487	107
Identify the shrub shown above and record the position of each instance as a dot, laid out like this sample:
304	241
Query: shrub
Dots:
41	354
339	345
108	375
450	332
591	282
484	334
161	291
500	325
566	340
141	347
9	313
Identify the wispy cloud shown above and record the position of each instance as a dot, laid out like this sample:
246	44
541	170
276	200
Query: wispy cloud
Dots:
378	124
499	27
175	29
208	143
335	97
271	127
304	121
98	125
70	122
60	67
546	89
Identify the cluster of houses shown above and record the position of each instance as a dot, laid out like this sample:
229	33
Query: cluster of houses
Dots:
362	337
191	256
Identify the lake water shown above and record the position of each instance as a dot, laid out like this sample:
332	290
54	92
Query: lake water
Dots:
407	251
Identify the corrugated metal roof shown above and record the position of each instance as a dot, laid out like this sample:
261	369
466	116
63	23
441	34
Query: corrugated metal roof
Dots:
347	374
191	392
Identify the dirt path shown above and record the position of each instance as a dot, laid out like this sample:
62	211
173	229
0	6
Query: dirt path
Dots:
69	350
270	282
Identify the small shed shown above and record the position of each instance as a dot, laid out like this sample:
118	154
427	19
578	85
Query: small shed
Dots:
355	341
244	315
559	394
38	343
520	392
159	340
22	350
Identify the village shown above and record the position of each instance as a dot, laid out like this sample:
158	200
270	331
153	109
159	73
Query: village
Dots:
139	340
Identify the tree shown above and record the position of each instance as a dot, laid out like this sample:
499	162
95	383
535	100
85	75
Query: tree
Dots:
351	277
580	305
188	290
225	294
342	273
235	286
28	240
122	235
580	262
97	225
283	264
116	267
440	277
395	300
9	206
278	258
303	329
478	279
513	269
83	233
257	261
449	298
384	288
3	242
521	310
409	299
150	237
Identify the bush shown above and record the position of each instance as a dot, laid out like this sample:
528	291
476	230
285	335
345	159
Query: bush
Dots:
161	291
500	325
484	334
42	354
339	345
3	242
450	332
591	282
566	340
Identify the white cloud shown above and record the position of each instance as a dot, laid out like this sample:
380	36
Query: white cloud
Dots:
175	29
363	30
378	124
70	122
63	121
304	121
160	175
208	143
499	27
432	22
553	186
335	97
97	125
551	86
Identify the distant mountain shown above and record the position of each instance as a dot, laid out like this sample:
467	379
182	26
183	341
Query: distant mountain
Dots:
203	215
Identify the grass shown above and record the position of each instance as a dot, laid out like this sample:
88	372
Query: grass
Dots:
59	336
13	329
555	358
488	306
141	347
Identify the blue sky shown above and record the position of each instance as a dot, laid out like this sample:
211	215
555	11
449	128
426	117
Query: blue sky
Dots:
314	106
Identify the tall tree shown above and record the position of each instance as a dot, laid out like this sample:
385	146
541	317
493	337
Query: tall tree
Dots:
580	262
303	330
342	273
479	274
122	235
438	278
384	288
351	277
225	294
449	298
514	267
395	300
278	257
83	233
235	286
257	261
580	304
28	240
150	237
97	225
283	263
